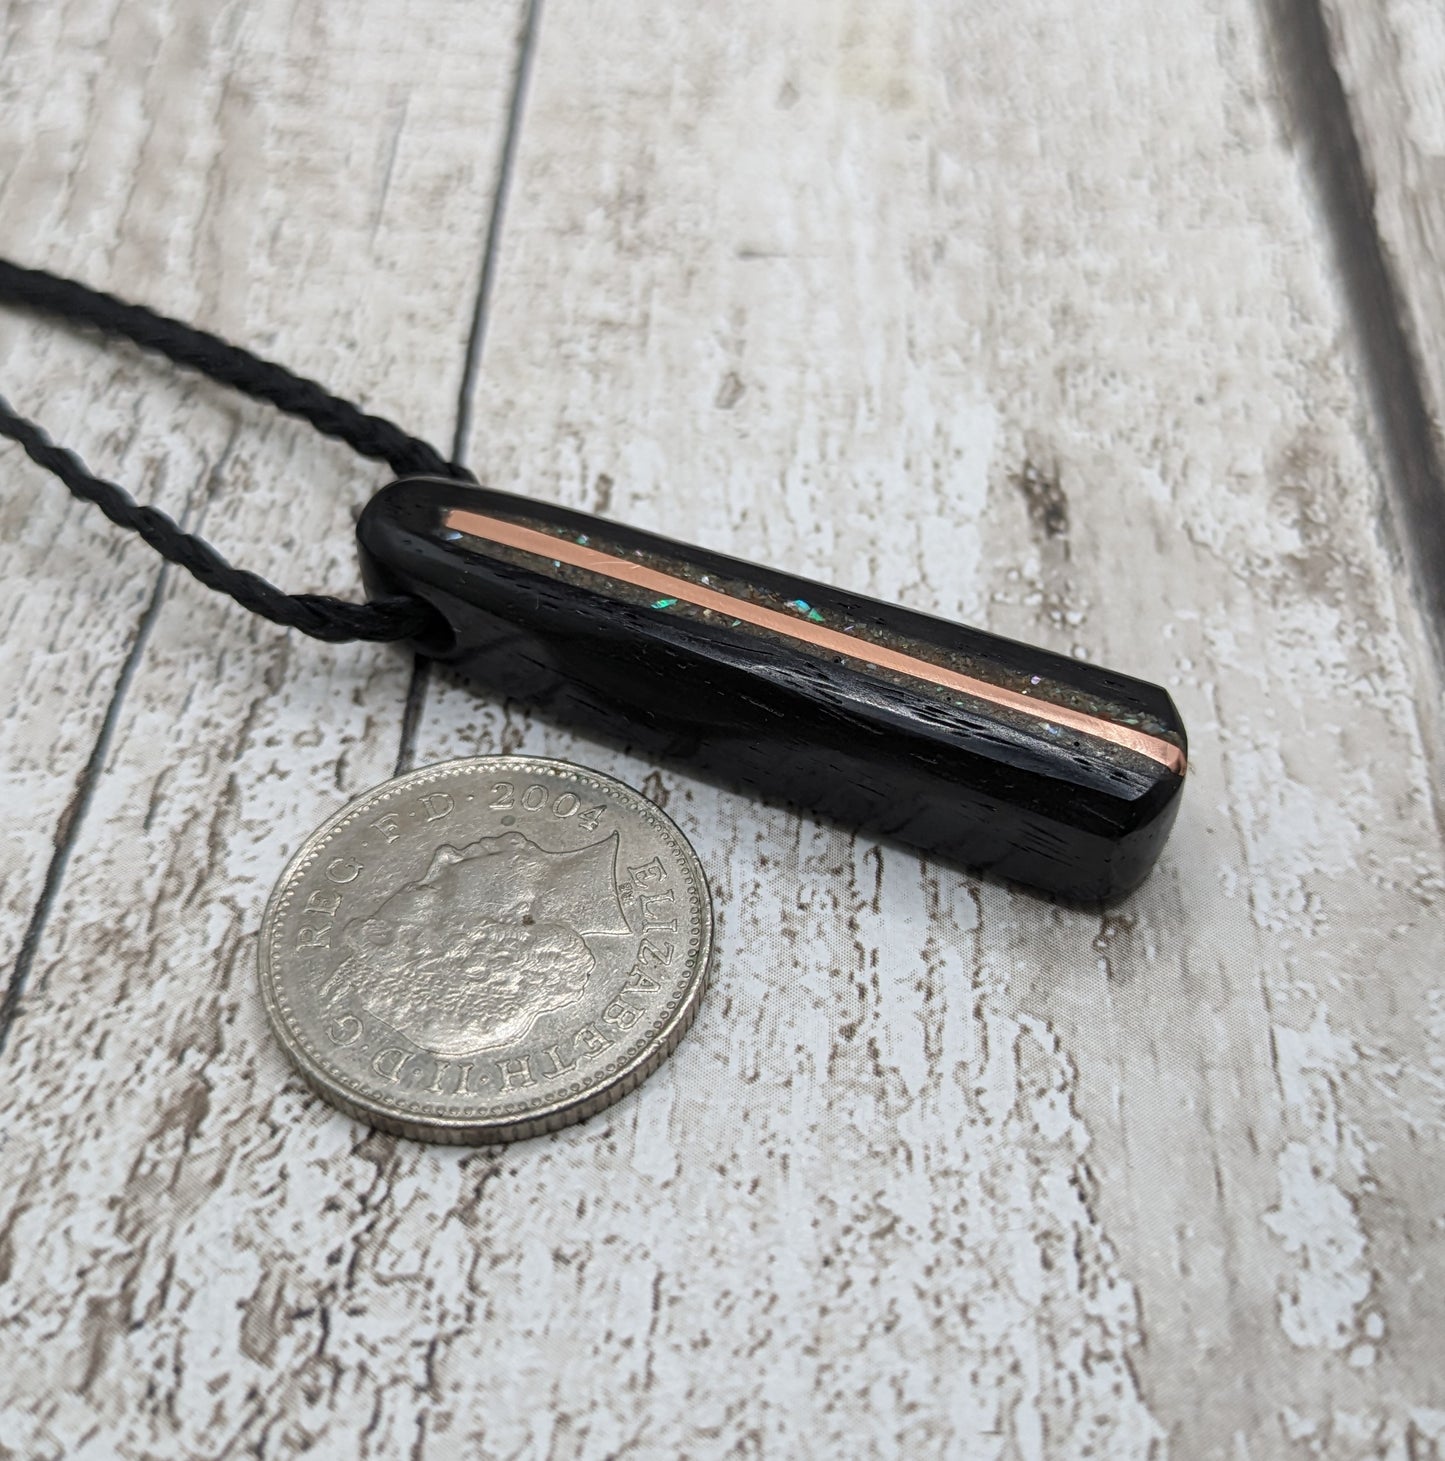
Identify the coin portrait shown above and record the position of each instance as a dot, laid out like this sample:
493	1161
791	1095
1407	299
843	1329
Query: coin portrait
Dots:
494	935
486	949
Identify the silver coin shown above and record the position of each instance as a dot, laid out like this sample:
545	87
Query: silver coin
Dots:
486	950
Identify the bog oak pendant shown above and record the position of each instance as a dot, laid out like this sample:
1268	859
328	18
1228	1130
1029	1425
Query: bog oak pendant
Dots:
969	747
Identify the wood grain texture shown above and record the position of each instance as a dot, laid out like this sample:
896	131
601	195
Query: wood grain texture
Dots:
1351	120
1388	57
1013	319
1034	327
315	181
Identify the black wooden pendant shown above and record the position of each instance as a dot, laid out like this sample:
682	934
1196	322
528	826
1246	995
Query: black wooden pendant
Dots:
972	748
969	747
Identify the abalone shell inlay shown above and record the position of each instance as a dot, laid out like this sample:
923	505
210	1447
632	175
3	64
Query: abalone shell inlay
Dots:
802	627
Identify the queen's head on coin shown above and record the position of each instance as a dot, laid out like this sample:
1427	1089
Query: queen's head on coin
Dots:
491	937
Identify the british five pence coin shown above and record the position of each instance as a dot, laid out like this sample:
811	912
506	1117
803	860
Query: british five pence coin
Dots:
486	949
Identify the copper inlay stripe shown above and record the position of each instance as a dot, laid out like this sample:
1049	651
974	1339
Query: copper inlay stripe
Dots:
666	585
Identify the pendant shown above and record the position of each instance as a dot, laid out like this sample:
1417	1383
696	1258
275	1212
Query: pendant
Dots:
971	748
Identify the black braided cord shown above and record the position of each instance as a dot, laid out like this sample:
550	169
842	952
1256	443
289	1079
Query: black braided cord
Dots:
318	615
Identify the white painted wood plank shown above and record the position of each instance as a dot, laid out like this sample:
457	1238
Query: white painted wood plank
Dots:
89	182
1389	59
841	288
139	141
314	180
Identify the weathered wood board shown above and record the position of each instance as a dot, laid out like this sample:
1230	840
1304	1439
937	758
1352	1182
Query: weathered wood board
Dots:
1388	56
1015	319
1358	81
315	180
